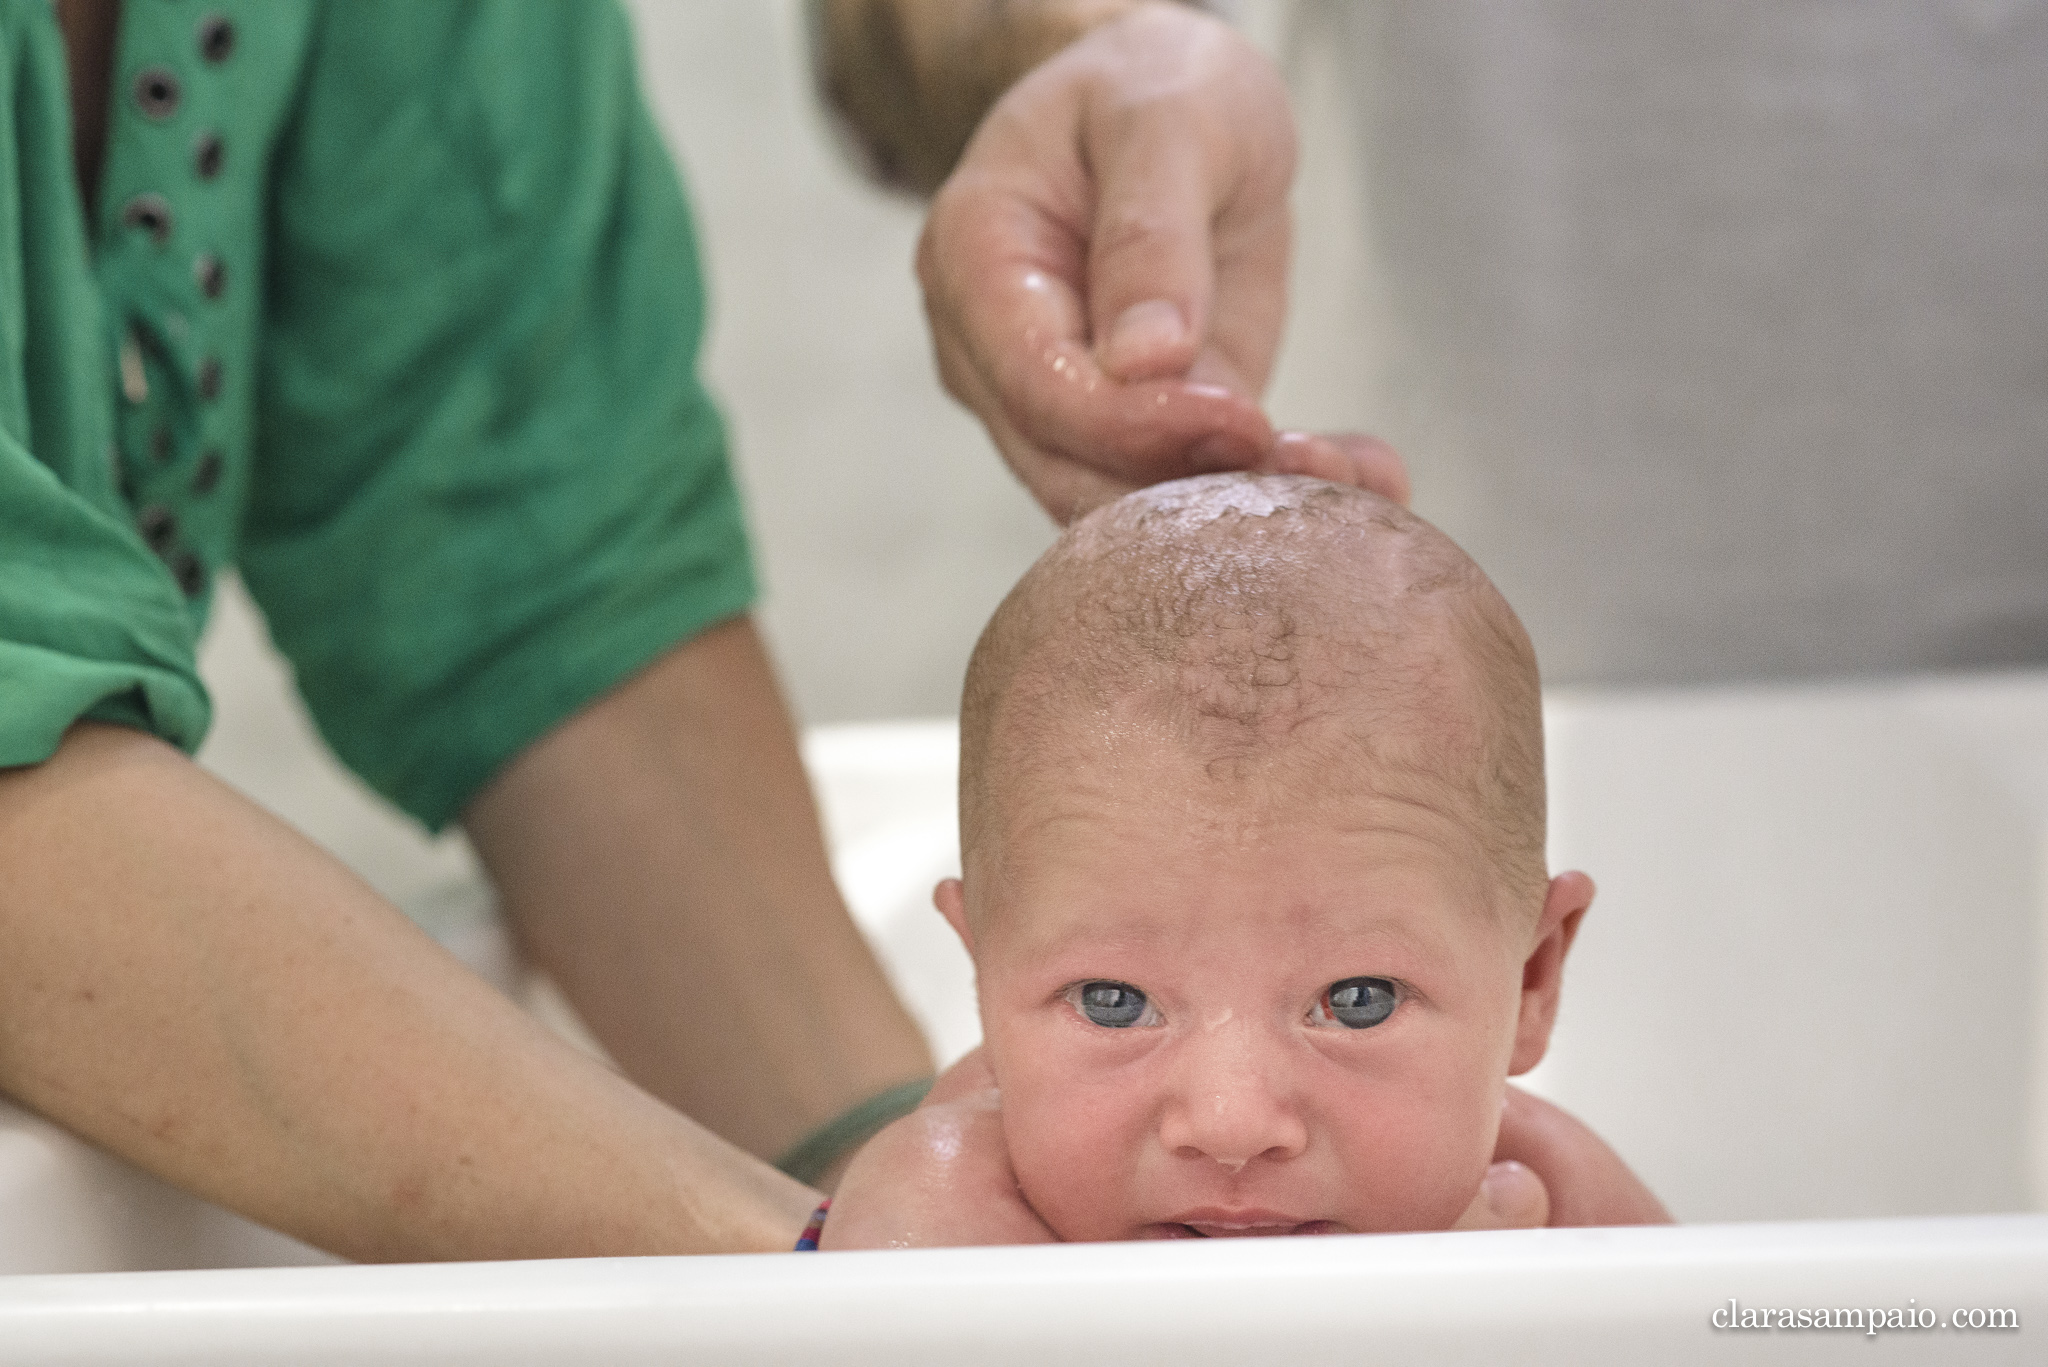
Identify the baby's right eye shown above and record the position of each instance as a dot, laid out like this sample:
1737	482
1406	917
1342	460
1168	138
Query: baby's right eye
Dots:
1117	1006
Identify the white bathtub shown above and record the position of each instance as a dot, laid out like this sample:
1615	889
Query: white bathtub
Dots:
1623	1297
1812	989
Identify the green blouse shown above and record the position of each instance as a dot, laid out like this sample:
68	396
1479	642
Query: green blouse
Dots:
395	306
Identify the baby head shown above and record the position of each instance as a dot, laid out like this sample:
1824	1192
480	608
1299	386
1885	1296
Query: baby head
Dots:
1252	827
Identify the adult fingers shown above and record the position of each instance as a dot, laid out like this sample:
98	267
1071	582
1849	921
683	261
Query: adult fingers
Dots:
1589	1183
1000	279
1064	487
1188	143
1510	1196
1343	458
1151	269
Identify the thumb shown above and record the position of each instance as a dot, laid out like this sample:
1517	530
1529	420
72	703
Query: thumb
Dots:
1511	1196
1151	272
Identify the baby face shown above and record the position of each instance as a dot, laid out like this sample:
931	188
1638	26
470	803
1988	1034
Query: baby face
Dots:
1217	1010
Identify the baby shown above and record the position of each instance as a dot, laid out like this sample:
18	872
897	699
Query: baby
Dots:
1252	826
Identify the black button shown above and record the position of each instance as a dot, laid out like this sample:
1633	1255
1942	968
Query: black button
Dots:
207	153
156	92
209	378
160	445
158	525
216	37
186	569
211	273
208	473
149	213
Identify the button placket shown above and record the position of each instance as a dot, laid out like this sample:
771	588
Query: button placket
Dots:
177	432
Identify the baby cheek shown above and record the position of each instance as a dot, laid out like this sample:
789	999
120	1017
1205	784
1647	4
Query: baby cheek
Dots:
1419	1163
1073	1151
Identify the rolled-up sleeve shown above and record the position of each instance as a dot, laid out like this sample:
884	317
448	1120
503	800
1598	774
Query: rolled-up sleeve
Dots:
490	485
91	624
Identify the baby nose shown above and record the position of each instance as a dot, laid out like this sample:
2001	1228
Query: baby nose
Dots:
1228	1106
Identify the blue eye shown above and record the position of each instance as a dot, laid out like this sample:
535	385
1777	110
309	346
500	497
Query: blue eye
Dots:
1115	1005
1358	1003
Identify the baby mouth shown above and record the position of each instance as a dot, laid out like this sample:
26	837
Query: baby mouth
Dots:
1241	1225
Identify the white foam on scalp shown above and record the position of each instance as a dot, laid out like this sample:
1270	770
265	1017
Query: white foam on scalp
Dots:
1172	518
1202	499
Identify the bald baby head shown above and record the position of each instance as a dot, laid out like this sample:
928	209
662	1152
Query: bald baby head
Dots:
1288	636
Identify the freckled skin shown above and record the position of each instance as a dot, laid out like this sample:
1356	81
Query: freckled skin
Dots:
1233	906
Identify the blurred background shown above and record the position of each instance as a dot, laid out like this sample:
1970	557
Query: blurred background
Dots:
1716	333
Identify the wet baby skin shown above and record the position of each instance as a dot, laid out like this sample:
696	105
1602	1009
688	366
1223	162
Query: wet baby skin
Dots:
1252	825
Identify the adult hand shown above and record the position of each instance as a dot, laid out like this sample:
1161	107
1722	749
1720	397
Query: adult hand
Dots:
1105	271
939	1177
1587	1181
1510	1196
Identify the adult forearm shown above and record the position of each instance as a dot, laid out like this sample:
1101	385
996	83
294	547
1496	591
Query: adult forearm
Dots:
192	985
912	78
660	856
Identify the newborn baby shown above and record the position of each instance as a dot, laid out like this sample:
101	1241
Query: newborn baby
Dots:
1252	825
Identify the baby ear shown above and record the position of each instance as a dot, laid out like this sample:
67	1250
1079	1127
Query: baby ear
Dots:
950	897
1564	906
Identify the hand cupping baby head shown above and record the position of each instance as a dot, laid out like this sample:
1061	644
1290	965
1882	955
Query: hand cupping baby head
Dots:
1252	827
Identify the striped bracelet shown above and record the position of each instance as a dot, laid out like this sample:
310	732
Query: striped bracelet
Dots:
807	1242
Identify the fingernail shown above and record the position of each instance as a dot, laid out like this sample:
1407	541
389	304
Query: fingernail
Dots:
1142	333
1506	1186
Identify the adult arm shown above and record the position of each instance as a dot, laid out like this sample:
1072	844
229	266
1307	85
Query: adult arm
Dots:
1105	267
493	501
659	855
196	987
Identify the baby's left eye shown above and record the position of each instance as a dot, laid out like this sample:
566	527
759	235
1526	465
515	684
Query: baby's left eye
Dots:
1356	1003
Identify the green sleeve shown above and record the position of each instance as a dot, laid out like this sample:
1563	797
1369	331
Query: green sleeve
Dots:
491	485
90	623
